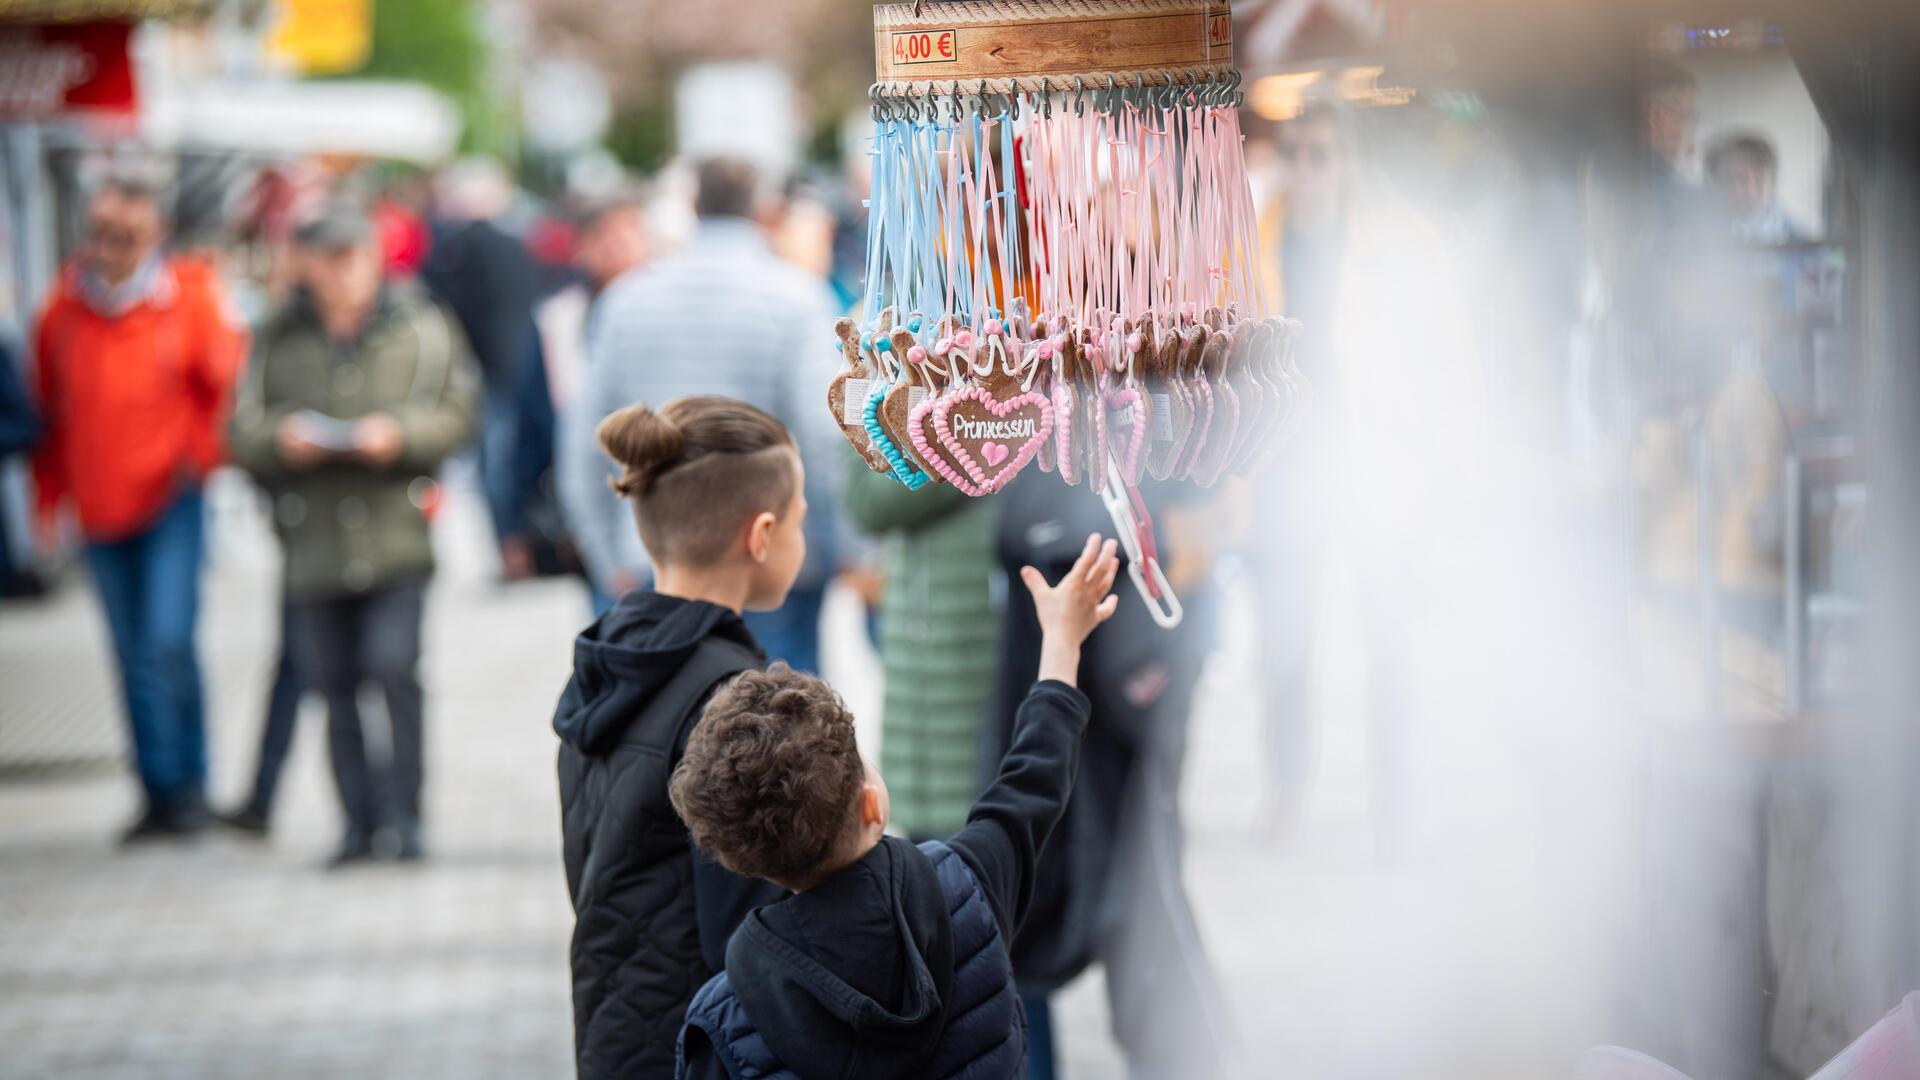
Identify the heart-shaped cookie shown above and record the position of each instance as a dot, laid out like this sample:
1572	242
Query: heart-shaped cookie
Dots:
1129	416
847	394
896	410
968	421
1225	429
942	462
1300	395
898	464
1275	397
1172	407
1193	346
1243	360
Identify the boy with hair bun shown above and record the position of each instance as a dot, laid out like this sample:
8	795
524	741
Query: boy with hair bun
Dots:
889	960
717	490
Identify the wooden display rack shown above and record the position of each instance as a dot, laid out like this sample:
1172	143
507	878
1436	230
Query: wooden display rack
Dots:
1027	46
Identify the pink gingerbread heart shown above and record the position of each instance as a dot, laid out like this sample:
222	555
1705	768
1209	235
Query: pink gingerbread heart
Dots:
1130	440
975	418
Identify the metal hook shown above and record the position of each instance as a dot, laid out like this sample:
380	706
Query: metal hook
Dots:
1079	96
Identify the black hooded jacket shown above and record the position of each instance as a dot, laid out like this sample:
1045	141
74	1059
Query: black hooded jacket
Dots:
896	966
652	916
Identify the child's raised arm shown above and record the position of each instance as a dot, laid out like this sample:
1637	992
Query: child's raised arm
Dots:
1070	610
1011	822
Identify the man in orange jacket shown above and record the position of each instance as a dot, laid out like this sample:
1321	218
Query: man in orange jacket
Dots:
136	361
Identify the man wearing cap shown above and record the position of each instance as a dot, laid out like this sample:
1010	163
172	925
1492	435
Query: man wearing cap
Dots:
135	356
356	393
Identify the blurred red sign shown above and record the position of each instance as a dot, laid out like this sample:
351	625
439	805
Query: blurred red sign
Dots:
47	71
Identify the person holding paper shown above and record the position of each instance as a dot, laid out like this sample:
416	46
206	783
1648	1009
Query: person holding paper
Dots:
357	392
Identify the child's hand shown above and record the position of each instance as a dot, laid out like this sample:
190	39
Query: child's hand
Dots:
1070	610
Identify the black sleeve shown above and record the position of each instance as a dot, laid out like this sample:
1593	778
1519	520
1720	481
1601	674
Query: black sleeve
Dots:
721	901
1011	822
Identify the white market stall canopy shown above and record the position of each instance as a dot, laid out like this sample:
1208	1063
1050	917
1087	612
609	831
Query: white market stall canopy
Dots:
391	120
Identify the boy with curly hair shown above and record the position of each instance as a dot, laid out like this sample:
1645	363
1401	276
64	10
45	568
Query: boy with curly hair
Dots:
889	960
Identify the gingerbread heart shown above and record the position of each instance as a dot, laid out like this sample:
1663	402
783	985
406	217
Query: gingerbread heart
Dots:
847	394
942	462
992	439
1192	350
1129	416
1092	436
1275	397
1300	391
1066	424
896	411
1211	458
1249	338
1173	408
898	464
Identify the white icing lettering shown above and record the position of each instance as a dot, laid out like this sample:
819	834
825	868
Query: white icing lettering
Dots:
1022	428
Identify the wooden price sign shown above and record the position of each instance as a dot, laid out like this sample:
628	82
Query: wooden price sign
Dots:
1050	41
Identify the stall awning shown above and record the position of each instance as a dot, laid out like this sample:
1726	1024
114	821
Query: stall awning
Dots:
393	120
82	11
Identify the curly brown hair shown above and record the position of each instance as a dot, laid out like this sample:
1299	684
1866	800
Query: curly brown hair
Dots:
771	776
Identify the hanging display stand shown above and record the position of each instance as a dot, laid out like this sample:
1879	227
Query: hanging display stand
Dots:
1028	47
1062	266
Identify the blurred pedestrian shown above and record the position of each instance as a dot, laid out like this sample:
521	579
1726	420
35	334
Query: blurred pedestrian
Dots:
1375	465
254	817
19	433
723	316
137	353
936	642
610	239
358	391
481	271
1742	168
1108	889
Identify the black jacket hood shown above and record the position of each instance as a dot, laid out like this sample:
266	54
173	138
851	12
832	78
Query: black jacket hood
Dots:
849	978
622	661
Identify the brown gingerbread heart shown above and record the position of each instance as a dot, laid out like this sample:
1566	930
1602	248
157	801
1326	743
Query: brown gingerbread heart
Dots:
846	397
1172	407
1193	370
1225	429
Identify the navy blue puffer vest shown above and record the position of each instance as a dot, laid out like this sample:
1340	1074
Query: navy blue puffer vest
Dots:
986	1029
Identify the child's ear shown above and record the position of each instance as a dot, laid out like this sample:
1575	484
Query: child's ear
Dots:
871	811
760	535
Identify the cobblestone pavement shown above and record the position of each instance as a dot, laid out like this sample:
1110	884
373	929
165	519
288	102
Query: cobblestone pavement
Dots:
243	959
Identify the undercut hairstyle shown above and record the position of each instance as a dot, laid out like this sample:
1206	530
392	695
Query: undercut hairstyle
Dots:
1755	148
726	187
698	471
770	781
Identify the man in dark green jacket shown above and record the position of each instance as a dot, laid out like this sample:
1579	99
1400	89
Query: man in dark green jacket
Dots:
356	392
